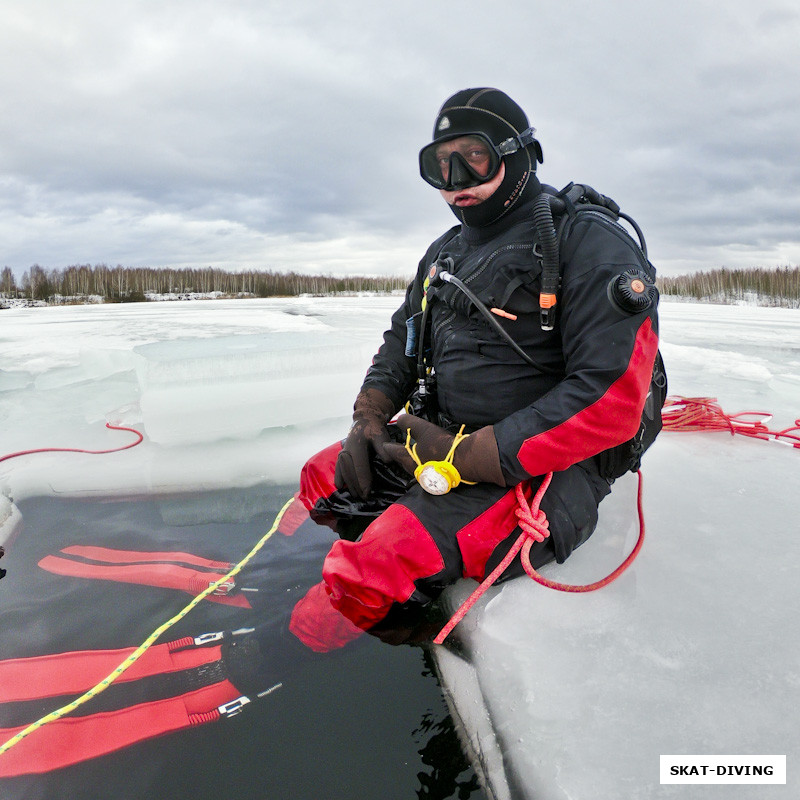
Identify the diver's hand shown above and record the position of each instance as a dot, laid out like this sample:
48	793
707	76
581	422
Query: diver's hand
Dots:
476	458
433	442
371	412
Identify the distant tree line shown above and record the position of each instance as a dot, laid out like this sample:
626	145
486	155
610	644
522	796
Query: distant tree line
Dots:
776	287
121	284
766	287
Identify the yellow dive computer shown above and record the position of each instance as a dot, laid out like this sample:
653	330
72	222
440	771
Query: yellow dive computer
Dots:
438	477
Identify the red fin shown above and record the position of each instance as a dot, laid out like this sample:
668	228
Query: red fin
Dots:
70	740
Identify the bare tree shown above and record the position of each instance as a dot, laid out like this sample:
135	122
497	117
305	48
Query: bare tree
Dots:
8	283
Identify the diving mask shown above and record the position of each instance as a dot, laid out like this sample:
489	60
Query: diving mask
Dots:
467	160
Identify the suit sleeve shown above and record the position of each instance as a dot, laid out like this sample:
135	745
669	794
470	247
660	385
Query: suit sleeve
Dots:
608	356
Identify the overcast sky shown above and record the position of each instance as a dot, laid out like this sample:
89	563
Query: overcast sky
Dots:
284	135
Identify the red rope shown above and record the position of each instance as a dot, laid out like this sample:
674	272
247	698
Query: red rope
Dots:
705	414
77	450
589	587
678	414
535	527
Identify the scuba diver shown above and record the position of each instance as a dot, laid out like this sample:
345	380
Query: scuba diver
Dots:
520	350
527	344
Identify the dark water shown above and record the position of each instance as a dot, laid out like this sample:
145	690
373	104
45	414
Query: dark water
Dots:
367	722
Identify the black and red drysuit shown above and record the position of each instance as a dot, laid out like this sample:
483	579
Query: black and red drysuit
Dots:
586	395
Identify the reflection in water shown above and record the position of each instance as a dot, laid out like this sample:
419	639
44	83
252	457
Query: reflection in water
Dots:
449	774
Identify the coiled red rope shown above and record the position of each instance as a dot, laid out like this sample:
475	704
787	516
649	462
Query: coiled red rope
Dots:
705	414
78	450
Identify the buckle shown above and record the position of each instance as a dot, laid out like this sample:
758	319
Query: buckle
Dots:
207	638
234	707
515	143
508	147
224	588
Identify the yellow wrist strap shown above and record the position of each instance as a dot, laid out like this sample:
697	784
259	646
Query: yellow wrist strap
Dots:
438	477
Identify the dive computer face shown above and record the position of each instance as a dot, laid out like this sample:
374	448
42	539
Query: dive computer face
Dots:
437	477
432	481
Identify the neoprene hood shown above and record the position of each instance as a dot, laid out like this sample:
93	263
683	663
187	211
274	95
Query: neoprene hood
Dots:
494	114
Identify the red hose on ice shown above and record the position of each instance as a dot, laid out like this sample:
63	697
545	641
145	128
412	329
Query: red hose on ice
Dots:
78	450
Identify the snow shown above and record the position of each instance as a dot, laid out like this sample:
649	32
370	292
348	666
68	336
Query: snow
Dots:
562	695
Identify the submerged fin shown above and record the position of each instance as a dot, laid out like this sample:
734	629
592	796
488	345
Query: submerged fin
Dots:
70	740
75	672
161	569
195	671
111	556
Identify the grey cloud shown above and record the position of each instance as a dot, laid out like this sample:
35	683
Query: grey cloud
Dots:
179	132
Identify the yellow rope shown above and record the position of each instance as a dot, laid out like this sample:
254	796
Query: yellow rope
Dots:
146	645
459	437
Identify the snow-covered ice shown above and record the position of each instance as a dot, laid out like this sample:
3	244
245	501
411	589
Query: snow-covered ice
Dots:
227	393
563	696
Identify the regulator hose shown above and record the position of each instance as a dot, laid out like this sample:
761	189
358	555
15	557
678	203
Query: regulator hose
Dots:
444	275
548	242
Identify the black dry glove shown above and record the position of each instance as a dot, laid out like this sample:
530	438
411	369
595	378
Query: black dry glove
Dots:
371	412
476	458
